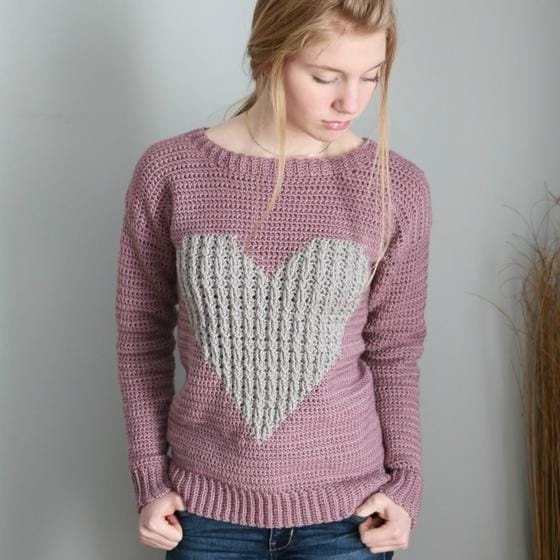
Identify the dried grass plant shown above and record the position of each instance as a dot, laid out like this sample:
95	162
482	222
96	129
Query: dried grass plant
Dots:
539	350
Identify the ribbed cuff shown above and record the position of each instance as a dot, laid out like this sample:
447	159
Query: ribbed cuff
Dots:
150	479
405	489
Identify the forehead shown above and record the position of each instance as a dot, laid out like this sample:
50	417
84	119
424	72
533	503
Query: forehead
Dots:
347	52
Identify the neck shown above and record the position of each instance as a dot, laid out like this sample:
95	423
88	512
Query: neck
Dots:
262	130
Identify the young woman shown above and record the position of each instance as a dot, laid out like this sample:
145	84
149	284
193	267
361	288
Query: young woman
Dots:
292	256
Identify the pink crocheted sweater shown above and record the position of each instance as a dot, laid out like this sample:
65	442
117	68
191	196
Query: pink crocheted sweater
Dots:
301	393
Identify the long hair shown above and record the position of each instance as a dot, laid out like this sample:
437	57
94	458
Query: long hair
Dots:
280	29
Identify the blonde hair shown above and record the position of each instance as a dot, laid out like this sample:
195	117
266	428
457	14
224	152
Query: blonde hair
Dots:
280	29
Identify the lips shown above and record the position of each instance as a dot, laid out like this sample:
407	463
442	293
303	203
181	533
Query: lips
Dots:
337	125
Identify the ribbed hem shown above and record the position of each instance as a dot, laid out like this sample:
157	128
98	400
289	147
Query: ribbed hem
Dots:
222	501
151	480
244	164
405	489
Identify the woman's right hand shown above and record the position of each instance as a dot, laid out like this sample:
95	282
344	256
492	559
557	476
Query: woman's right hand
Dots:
158	525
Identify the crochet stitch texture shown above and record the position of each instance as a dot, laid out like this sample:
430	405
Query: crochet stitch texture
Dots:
301	393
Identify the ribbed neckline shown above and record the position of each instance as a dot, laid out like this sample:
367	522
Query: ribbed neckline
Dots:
240	163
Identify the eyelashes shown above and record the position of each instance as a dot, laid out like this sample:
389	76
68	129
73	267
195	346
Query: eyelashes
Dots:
318	80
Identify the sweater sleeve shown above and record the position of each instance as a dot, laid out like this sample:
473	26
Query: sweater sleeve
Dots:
146	317
394	336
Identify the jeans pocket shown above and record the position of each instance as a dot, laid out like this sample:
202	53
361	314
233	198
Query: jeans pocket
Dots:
357	518
182	512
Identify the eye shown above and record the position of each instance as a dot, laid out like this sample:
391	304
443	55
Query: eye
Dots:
318	80
322	81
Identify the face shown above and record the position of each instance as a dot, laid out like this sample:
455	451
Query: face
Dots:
315	95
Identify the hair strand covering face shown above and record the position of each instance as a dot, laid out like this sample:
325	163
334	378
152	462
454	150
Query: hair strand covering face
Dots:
281	29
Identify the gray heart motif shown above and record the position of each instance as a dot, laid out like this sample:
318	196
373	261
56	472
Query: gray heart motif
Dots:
270	339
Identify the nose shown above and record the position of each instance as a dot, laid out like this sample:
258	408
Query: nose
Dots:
347	101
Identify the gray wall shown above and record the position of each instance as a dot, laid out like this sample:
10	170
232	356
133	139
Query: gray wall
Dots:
87	86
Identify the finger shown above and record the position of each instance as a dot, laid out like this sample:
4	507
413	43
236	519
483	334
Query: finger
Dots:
158	541
378	536
377	521
171	533
377	550
163	536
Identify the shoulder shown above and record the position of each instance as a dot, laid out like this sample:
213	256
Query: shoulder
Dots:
160	156
149	186
157	162
410	192
409	181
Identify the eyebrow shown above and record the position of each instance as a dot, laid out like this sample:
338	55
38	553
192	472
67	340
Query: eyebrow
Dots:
340	71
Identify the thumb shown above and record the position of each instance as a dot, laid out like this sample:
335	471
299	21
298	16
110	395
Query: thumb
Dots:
178	503
374	503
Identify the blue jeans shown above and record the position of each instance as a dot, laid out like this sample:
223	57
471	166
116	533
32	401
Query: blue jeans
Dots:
208	539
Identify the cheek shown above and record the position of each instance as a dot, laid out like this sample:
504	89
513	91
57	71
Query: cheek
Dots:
302	92
366	98
307	98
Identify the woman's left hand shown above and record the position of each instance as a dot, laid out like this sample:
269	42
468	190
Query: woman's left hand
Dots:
388	531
